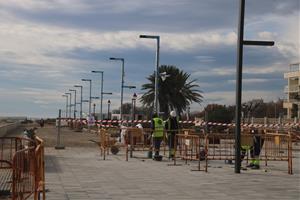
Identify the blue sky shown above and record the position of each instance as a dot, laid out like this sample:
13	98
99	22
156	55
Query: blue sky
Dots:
47	46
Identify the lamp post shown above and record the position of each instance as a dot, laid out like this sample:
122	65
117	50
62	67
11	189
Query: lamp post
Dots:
101	93
133	105
156	102
80	86
122	85
70	104
90	99
239	71
71	90
108	106
64	95
94	110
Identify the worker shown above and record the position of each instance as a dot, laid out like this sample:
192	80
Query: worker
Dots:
157	126
255	150
172	126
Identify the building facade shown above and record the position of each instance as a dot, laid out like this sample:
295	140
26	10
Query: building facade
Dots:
292	91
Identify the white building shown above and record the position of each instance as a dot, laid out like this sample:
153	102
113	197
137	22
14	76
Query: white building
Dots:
292	91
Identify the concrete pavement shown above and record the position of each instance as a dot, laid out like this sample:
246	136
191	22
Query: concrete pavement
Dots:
80	173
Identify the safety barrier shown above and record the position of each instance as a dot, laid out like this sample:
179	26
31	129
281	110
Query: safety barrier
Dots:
137	139
190	148
40	168
132	140
24	158
103	142
214	146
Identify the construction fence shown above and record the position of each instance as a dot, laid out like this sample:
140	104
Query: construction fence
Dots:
201	147
22	162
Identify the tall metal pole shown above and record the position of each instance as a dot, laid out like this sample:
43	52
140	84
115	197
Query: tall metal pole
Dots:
70	111
66	104
80	86
90	102
70	100
156	78
75	105
108	106
239	72
122	87
101	93
101	96
90	99
156	72
59	144
75	102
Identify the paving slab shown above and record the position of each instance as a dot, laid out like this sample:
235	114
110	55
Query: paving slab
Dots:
80	173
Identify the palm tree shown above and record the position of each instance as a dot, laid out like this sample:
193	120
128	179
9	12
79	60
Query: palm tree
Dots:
175	92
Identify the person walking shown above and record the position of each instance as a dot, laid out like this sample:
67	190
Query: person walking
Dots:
172	126
157	126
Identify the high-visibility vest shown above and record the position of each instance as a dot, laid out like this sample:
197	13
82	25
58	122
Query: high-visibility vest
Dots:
158	127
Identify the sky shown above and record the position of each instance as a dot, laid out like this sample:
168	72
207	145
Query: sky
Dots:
48	46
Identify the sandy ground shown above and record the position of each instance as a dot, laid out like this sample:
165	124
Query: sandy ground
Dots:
69	138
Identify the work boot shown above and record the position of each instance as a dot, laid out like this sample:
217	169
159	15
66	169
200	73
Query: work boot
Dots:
250	165
255	167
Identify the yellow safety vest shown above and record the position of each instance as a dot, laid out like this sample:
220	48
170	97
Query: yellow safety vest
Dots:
158	127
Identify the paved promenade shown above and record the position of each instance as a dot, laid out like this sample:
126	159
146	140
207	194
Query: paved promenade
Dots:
80	173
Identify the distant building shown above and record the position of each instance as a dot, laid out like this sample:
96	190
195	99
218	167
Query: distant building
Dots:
292	91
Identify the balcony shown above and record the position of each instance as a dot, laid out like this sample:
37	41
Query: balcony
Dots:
292	88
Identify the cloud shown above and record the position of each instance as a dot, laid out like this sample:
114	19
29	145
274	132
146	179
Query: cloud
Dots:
228	97
251	80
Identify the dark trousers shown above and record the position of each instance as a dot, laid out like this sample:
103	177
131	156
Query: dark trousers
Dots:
157	142
171	137
258	142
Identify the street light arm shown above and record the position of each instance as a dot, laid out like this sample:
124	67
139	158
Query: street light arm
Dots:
129	86
150	36
97	71
112	58
109	93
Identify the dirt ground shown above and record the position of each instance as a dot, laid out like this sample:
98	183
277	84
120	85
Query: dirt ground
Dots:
69	138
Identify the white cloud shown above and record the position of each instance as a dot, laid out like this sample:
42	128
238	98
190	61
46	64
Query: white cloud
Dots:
228	97
251	80
218	71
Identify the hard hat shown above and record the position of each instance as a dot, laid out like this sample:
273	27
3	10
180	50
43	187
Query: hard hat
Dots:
173	113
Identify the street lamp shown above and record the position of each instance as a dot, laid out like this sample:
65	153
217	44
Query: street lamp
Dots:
90	99
101	93
94	109
80	86
239	71
64	95
71	90
70	104
108	106
122	84
156	102
133	105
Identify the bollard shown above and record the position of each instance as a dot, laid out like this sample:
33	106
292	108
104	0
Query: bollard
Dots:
58	142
